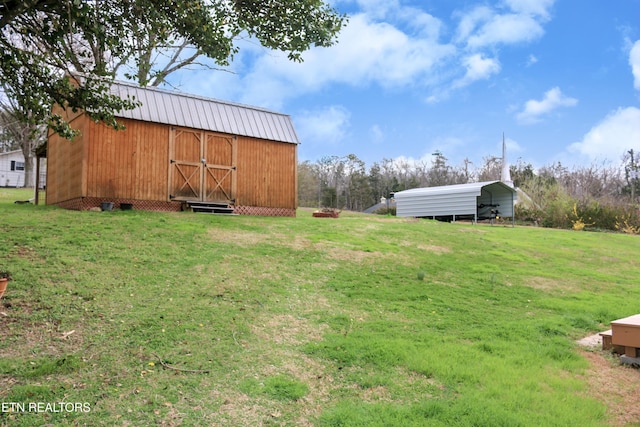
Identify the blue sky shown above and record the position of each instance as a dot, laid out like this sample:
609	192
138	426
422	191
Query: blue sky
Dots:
561	79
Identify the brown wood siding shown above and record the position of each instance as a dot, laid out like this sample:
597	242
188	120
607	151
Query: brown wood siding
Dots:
65	165
134	164
266	173
128	164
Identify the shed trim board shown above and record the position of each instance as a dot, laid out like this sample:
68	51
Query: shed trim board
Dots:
475	200
178	148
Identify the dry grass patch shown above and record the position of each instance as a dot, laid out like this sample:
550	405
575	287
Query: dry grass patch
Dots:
551	285
472	228
31	338
426	247
377	394
248	239
615	385
242	409
288	330
243	239
348	253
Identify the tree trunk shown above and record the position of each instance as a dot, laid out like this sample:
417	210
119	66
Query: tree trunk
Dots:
28	165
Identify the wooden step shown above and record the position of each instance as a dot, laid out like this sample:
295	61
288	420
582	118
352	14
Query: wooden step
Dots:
606	339
211	208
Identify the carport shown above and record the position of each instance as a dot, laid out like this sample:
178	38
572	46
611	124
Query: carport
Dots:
475	201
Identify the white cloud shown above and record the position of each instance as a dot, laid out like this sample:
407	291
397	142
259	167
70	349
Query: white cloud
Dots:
531	60
391	11
367	53
531	7
512	147
634	61
483	26
386	44
553	99
326	127
617	132
470	21
506	29
612	137
478	68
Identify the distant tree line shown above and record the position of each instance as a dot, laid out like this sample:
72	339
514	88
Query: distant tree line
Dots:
596	197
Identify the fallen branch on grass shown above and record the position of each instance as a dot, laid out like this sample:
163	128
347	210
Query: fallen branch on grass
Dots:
66	334
167	366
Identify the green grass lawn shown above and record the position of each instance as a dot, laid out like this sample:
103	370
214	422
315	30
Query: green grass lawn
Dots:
189	319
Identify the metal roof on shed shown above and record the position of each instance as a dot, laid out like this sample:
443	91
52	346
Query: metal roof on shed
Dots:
471	188
459	199
192	111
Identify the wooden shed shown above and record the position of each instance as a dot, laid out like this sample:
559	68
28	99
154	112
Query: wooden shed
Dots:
478	200
177	149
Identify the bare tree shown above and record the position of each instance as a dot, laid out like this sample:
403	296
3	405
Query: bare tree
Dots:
441	173
308	185
357	194
593	182
491	169
631	174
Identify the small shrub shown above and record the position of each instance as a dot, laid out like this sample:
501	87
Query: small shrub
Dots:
391	210
595	215
628	223
578	221
528	214
558	213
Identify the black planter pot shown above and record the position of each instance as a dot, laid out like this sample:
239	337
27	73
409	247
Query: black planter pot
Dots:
106	206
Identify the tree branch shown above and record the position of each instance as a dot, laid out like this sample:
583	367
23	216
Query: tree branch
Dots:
167	366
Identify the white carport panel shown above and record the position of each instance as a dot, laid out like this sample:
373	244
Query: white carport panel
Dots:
436	205
454	200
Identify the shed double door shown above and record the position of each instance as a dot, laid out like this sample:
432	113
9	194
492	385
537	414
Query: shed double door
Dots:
202	166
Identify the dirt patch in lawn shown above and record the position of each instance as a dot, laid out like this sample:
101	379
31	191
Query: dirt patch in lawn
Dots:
23	337
615	385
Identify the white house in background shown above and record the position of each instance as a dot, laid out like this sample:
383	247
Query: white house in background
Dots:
12	166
